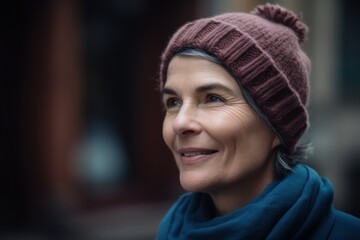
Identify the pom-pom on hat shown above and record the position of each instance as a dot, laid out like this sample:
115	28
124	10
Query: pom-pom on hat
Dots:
262	51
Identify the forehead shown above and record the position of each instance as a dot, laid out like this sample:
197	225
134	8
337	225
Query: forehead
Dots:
196	70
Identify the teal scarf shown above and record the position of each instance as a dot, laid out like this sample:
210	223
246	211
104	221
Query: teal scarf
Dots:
296	207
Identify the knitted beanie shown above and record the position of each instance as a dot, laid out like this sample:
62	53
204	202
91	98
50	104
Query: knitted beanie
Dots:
262	52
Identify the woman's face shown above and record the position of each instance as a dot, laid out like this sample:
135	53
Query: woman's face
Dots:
218	142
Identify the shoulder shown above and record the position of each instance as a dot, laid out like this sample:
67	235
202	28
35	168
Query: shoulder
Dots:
345	226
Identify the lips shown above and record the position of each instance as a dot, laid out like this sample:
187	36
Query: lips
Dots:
192	155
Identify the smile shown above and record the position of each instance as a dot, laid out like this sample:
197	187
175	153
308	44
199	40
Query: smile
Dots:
191	154
195	155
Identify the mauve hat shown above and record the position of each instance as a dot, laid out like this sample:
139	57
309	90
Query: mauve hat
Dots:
262	51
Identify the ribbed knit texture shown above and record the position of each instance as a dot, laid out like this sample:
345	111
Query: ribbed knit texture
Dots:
262	51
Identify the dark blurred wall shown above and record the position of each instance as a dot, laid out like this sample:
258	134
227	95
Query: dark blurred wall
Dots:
18	17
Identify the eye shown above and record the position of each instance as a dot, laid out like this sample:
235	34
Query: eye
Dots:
172	103
214	99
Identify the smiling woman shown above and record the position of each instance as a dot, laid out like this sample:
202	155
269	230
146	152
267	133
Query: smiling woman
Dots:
214	135
235	89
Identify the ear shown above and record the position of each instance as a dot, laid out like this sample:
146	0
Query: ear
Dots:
276	142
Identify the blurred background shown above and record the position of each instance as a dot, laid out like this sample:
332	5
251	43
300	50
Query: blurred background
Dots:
82	156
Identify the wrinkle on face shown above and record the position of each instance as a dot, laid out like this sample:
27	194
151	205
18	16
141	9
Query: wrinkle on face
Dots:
243	141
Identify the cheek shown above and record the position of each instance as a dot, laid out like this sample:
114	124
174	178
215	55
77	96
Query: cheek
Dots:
256	141
167	132
230	123
240	130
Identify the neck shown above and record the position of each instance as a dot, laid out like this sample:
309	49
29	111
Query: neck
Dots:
239	194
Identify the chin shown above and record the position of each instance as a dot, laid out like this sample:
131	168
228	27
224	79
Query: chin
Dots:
194	182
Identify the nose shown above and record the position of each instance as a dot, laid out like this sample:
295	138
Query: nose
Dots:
186	121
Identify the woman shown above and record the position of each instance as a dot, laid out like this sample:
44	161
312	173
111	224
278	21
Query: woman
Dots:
235	89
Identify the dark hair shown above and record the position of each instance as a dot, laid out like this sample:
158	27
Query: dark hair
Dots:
284	162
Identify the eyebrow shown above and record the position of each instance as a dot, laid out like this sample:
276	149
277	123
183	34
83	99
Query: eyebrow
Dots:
169	91
201	89
213	86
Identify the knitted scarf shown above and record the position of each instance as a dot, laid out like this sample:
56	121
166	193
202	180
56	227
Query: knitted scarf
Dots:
296	207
